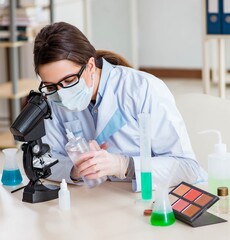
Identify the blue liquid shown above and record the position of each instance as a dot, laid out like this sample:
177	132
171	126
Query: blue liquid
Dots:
11	177
146	185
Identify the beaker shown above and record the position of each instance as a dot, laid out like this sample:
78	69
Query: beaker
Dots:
11	175
162	214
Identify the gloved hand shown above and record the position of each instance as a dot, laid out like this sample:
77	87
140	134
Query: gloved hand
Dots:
93	145
98	163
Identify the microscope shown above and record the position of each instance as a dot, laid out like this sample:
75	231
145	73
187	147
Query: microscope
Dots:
29	128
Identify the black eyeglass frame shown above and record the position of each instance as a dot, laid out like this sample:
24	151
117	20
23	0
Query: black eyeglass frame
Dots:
78	75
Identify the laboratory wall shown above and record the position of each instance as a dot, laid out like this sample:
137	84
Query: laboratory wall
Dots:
170	33
149	33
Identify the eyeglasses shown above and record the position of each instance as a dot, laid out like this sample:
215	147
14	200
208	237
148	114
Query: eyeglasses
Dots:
67	82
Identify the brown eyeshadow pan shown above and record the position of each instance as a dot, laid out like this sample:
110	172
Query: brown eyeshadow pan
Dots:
191	210
181	189
203	200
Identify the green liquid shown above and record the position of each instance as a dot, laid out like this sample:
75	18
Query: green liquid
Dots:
146	185
214	183
162	219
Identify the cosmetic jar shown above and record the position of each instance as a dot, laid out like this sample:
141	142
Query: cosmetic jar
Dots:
223	204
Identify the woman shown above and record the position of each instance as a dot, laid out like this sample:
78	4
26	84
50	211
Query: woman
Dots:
96	94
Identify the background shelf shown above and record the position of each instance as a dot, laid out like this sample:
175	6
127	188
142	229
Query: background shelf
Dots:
7	140
24	87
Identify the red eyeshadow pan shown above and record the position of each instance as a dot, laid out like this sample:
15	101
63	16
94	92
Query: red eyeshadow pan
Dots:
192	194
180	205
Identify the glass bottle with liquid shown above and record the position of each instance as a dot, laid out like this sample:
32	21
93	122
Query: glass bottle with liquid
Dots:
75	147
11	174
162	214
218	165
223	203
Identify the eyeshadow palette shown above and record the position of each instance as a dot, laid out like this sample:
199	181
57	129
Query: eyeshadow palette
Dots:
190	203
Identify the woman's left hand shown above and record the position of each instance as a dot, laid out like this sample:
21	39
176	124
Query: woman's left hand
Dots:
98	163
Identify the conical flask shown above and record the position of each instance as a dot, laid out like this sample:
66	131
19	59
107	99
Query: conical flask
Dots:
11	175
162	214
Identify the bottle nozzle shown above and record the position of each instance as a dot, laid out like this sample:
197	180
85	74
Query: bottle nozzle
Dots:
220	147
214	131
69	134
63	184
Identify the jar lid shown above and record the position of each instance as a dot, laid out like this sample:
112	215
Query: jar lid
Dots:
222	191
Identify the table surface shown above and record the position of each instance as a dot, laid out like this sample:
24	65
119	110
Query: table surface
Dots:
108	212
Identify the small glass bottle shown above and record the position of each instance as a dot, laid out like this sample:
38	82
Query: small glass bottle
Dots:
223	204
64	196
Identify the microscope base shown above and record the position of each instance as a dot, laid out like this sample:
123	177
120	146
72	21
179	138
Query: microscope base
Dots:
40	193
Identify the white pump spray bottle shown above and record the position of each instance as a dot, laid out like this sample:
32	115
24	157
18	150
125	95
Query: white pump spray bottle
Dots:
218	165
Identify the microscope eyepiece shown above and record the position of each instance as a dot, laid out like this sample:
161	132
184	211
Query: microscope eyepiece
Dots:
29	125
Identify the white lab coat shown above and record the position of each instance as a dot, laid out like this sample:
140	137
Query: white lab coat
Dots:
123	94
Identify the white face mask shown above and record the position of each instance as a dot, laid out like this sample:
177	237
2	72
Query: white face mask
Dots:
76	98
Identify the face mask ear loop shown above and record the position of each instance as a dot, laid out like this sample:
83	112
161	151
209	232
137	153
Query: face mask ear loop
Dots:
92	76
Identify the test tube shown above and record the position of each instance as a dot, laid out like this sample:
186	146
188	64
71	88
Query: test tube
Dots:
145	155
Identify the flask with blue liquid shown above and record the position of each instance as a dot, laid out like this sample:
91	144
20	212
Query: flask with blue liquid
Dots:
11	174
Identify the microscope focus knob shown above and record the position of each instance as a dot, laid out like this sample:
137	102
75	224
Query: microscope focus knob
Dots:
36	149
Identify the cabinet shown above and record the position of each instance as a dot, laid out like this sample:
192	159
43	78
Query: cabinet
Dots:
16	88
220	39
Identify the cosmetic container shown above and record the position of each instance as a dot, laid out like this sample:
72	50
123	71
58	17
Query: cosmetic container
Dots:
145	156
223	204
218	164
190	204
74	148
11	174
64	196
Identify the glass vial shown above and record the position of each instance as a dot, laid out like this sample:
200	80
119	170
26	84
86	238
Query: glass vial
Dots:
223	204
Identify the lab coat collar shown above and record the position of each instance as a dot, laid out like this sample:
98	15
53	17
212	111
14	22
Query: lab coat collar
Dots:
110	119
106	69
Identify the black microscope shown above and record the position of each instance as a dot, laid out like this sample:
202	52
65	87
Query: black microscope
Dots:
37	160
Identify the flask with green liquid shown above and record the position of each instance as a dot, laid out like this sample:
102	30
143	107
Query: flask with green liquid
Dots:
162	214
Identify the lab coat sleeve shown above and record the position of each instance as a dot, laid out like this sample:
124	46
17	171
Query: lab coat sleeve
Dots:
169	141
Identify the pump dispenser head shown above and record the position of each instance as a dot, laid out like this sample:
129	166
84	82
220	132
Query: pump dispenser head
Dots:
220	148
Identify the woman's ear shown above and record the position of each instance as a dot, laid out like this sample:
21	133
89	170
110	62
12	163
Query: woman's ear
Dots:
91	67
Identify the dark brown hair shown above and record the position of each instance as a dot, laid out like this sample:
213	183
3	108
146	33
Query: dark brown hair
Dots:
59	41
